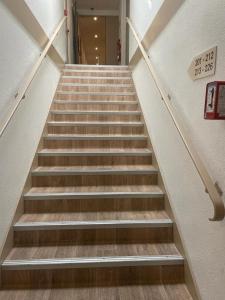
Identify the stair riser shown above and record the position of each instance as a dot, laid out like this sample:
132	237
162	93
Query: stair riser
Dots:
93	205
92	144
61	96
118	276
95	107
95	130
95	89
93	160
96	80
92	180
93	236
95	117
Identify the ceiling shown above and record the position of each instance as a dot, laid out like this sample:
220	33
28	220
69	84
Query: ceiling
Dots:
98	4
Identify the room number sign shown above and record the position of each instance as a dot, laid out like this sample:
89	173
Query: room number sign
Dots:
204	64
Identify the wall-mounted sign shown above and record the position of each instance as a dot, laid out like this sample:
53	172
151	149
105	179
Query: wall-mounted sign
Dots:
204	64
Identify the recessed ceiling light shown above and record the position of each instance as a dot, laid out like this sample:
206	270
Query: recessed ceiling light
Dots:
96	48
96	36
95	18
97	57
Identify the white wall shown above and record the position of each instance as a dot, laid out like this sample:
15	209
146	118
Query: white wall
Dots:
13	64
18	53
122	29
197	26
142	13
48	13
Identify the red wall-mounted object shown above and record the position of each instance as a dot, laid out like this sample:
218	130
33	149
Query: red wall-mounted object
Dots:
65	12
215	101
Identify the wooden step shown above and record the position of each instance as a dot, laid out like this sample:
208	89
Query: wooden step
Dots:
94	84
95	105
101	116
85	265
53	200
53	141
96	67
55	127
102	192
95	170
97	152
96	93
94	97
96	73
92	112
102	271
91	221
93	228
146	291
92	79
87	157
92	175
97	102
94	88
157	218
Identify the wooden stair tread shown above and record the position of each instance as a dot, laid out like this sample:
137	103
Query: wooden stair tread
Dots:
101	93
96	136
139	169
146	292
93	251
96	216
95	84
95	151
71	123
133	102
92	112
95	77
98	189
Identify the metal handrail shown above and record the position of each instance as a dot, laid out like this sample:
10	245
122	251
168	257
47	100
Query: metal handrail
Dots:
20	95
217	201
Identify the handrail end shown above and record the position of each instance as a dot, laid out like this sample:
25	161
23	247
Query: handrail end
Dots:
219	212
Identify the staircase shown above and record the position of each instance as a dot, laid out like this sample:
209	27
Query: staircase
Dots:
94	223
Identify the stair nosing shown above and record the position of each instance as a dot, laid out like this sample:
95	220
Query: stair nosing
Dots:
98	102
111	85
98	124
100	112
96	77
96	93
96	172
125	71
92	195
95	138
93	262
99	153
69	225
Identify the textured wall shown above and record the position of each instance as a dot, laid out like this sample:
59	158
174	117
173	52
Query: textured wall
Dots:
197	26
